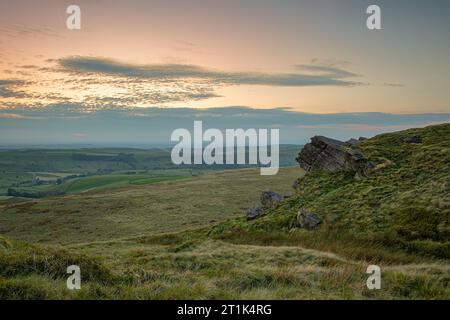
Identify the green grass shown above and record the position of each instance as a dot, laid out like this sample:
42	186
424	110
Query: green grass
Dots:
9	178
100	182
191	266
19	167
403	205
112	181
189	239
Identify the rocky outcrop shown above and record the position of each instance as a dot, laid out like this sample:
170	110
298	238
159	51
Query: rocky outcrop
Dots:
254	212
413	140
307	220
327	154
270	199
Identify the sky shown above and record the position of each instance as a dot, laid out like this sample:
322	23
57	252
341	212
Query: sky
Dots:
301	66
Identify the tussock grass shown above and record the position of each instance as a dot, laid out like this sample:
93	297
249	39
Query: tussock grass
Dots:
19	259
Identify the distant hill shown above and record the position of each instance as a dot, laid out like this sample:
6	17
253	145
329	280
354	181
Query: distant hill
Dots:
37	173
93	159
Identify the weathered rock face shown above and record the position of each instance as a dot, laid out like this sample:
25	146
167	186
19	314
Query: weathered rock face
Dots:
327	154
307	220
254	212
413	140
270	199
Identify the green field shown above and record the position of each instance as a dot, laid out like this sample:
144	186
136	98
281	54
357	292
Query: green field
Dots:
112	181
98	168
97	182
189	239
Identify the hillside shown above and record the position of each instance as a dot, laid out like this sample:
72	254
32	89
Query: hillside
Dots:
190	238
404	202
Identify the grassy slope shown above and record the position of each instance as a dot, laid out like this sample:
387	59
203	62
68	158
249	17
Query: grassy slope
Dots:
397	218
404	204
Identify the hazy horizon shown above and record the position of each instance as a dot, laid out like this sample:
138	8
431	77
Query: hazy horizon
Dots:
153	126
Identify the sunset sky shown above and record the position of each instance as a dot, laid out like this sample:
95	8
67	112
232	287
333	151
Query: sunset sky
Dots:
297	57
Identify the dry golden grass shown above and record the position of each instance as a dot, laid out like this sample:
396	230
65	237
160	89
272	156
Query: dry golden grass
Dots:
141	210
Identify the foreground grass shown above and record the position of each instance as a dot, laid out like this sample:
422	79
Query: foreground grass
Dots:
188	265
